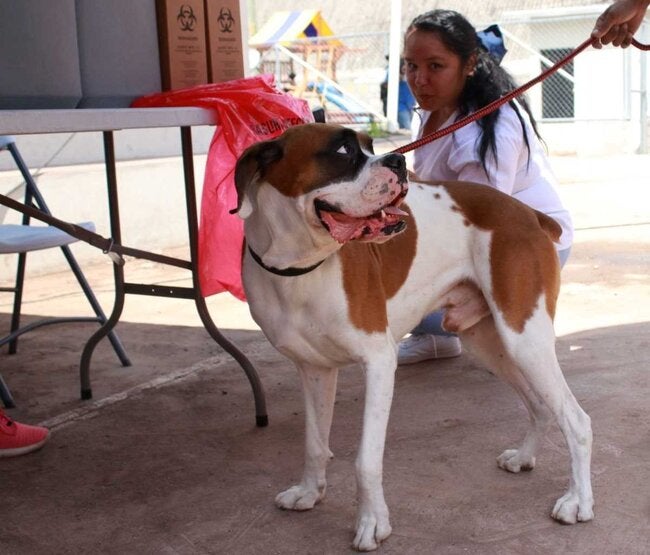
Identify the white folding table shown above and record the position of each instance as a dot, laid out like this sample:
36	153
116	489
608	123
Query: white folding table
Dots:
16	122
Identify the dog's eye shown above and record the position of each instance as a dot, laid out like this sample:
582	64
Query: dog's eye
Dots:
345	148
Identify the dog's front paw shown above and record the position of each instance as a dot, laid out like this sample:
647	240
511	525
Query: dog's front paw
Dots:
373	527
299	498
569	510
513	460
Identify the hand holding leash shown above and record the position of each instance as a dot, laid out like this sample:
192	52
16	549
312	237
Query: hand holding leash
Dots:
619	22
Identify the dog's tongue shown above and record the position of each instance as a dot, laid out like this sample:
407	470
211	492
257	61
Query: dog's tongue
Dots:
342	227
345	228
395	210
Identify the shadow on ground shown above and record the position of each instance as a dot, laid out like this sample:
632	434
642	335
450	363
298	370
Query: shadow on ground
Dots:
181	468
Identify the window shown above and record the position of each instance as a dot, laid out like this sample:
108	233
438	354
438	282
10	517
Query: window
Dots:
557	90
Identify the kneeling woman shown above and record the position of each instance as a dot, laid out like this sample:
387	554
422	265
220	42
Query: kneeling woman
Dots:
452	75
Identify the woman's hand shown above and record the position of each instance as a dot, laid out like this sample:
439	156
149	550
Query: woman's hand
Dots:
618	23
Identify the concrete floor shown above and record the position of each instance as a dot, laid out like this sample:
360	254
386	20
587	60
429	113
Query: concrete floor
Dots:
166	458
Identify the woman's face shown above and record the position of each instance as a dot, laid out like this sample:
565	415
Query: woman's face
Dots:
435	74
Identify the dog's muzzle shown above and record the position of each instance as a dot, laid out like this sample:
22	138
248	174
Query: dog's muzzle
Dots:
384	192
397	164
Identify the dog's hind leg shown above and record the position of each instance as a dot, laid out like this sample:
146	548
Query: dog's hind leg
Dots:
319	387
533	351
483	341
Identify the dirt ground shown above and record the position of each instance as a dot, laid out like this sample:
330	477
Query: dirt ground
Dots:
166	458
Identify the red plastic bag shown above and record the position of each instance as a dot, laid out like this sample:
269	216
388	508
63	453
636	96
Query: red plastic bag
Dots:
249	110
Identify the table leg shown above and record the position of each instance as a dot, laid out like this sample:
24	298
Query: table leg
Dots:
261	416
121	288
118	270
5	395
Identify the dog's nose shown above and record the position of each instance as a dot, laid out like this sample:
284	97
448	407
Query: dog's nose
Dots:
396	162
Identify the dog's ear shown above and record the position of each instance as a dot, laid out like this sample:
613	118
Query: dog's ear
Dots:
365	141
250	168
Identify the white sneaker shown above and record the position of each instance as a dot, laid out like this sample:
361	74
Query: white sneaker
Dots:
417	348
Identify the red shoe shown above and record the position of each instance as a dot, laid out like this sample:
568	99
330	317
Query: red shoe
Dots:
18	439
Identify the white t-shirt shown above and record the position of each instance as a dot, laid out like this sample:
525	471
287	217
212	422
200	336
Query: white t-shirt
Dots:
455	157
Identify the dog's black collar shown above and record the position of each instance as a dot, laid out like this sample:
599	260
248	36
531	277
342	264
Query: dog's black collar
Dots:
286	271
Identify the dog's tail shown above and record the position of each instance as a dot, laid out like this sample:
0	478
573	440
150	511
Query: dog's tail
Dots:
550	226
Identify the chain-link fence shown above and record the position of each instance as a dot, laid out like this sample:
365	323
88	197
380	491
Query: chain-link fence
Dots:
596	97
535	44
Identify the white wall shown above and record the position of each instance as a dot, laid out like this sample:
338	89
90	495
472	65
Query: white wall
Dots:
152	206
607	82
64	149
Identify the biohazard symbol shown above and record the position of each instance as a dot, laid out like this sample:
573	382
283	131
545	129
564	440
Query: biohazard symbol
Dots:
226	20
186	18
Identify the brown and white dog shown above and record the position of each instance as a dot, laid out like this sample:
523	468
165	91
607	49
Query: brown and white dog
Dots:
336	273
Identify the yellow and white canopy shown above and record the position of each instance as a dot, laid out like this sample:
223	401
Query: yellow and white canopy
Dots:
284	27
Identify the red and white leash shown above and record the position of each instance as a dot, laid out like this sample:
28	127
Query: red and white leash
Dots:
501	101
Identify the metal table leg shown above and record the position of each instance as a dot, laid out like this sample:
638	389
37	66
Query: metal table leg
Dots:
122	288
5	395
118	270
261	416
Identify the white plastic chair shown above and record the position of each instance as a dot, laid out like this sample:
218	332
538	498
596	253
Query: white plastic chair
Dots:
23	238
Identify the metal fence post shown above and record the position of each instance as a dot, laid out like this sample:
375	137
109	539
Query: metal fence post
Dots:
643	95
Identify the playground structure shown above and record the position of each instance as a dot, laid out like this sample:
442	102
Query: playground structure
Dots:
300	49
